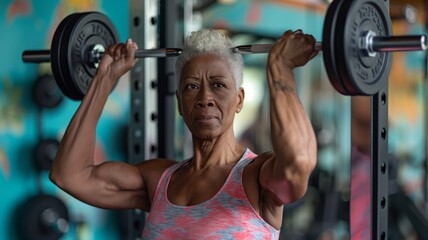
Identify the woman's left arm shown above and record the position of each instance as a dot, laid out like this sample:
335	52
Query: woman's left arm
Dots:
286	173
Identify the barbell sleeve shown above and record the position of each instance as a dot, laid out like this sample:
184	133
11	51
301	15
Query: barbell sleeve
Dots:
399	43
36	56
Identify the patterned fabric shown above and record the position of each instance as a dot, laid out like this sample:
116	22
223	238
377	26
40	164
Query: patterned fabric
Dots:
360	195
227	215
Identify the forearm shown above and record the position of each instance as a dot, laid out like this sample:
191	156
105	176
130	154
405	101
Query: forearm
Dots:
75	156
293	138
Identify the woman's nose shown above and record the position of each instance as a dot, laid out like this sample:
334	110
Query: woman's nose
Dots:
205	98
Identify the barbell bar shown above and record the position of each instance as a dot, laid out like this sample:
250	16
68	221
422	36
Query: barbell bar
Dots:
369	45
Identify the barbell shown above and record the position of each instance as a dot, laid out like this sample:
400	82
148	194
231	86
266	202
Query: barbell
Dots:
356	47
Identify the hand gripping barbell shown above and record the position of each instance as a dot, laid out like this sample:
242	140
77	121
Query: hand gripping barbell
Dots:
356	48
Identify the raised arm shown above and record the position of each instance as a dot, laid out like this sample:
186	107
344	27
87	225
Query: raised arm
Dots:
286	171
109	184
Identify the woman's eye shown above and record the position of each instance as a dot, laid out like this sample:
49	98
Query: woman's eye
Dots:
219	85
191	86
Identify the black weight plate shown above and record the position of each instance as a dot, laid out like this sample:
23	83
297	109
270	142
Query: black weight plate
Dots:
90	28
28	218
329	46
46	92
57	64
361	74
45	153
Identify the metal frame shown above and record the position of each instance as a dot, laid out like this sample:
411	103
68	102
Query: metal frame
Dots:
143	125
168	37
379	162
151	125
425	190
379	165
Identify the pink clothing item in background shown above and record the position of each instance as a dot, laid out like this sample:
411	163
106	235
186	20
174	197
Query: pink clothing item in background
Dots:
360	195
227	215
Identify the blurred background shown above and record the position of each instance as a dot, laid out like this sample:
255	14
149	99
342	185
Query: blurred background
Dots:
30	130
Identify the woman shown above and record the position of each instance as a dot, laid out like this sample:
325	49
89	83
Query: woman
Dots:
224	190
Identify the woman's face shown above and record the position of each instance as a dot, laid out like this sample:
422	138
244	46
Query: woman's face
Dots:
207	96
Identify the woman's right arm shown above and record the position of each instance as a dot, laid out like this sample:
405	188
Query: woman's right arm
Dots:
109	184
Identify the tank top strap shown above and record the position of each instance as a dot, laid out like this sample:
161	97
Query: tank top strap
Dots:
237	171
164	180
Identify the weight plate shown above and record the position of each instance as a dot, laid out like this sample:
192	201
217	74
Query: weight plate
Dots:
31	223
361	74
88	29
46	93
45	153
57	63
328	37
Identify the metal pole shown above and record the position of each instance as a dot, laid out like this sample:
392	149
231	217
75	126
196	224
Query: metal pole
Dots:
168	37
142	131
379	164
425	190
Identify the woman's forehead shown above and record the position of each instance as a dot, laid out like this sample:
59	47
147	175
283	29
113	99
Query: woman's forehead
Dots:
206	62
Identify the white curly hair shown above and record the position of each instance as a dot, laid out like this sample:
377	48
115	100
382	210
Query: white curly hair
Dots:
210	41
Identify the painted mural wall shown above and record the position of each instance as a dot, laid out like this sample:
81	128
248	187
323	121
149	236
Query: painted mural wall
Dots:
26	24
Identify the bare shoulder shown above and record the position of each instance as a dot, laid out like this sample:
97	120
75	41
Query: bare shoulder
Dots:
258	162
253	169
151	172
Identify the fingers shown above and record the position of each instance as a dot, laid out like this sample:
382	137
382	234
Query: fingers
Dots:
298	31
302	38
294	48
123	50
131	48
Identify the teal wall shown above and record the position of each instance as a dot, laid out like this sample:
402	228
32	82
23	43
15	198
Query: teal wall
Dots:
30	25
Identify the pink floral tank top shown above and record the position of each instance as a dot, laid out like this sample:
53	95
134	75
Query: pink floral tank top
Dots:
227	215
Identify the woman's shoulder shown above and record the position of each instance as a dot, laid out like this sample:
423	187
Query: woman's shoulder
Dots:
263	157
152	170
156	165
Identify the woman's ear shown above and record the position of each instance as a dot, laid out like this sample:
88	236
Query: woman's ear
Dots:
241	96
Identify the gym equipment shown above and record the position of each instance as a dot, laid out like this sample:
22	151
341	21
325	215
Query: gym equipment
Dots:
42	217
46	93
356	48
77	46
45	153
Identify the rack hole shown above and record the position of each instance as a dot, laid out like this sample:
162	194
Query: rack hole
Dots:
383	168
383	133
383	98
136	21
383	203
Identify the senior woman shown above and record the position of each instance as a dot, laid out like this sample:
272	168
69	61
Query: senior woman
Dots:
224	191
